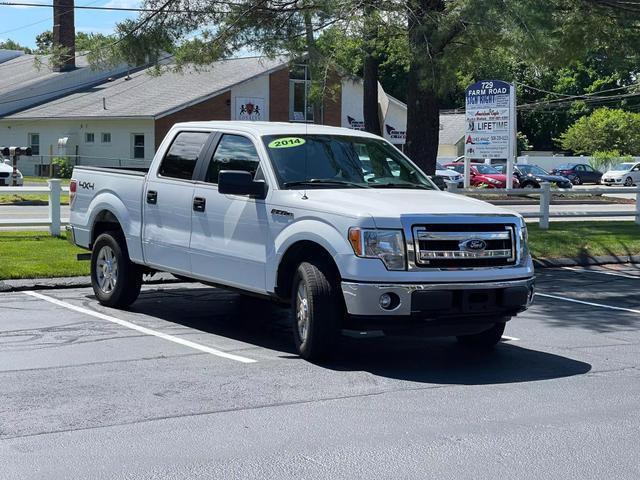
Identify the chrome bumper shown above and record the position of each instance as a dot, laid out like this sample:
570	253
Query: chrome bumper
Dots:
71	238
364	298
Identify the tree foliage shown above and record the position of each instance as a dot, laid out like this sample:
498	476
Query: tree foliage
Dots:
604	130
13	45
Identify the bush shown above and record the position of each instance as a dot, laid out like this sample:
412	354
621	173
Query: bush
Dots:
64	167
603	161
605	130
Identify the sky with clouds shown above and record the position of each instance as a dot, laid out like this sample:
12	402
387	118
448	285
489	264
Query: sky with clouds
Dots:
22	24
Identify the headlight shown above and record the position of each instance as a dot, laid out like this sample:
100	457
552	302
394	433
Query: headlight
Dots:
494	181
387	245
524	243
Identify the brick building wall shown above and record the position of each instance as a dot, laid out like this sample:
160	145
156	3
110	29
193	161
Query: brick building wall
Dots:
332	108
216	108
279	96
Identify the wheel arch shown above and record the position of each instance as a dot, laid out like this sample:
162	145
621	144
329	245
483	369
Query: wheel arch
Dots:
298	252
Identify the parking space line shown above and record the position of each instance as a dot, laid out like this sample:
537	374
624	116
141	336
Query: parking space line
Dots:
148	331
586	270
592	304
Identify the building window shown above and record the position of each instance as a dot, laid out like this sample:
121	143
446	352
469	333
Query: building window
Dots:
89	137
138	145
34	143
300	108
105	137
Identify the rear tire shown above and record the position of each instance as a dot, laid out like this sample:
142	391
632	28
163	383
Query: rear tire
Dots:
116	281
317	311
484	340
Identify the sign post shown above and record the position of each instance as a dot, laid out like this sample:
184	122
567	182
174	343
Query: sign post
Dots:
491	123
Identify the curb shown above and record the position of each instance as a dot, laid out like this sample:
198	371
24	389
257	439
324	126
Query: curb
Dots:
585	261
59	283
167	278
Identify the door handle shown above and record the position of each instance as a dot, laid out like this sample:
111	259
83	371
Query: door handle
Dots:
152	197
199	204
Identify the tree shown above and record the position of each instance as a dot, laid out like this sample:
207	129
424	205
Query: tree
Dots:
604	130
12	45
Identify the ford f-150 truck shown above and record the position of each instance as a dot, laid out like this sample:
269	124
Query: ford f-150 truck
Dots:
338	223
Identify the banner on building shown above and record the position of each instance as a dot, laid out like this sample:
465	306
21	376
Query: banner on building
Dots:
490	115
249	108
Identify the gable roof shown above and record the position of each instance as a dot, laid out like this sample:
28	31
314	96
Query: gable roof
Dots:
147	94
452	128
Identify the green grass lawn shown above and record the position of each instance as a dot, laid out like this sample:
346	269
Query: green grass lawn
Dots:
580	239
43	180
35	198
38	255
30	199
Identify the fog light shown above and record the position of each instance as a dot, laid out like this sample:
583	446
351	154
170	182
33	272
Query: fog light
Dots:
389	301
385	300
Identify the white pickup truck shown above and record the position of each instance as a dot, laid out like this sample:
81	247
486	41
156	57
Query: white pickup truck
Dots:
336	222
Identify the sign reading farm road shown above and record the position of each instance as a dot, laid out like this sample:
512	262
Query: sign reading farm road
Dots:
490	115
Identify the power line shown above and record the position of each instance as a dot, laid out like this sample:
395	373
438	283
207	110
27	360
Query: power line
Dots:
88	7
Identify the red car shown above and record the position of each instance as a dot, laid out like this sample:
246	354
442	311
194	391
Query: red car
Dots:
484	175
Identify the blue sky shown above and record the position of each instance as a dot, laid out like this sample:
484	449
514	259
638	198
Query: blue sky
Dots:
22	24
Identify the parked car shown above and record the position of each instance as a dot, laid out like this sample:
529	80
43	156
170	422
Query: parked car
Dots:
627	174
578	173
284	212
6	174
530	176
483	175
444	175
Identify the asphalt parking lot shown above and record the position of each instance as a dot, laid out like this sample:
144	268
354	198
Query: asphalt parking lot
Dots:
190	383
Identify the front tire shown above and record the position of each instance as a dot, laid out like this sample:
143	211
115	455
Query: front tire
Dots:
317	311
628	182
484	340
577	180
116	281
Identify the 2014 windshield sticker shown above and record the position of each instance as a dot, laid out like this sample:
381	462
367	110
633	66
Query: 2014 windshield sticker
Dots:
287	142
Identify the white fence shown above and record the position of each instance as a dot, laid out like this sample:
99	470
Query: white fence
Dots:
54	188
54	222
546	192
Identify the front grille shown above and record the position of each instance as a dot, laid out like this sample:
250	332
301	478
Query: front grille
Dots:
464	245
4	174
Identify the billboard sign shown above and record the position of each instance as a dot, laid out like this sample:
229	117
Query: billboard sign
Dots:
490	119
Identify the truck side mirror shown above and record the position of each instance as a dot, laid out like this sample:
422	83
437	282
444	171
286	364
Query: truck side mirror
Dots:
235	182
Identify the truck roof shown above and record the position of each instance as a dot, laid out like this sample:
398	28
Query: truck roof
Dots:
277	128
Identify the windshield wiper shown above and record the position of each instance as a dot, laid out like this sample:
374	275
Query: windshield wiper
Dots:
399	185
324	181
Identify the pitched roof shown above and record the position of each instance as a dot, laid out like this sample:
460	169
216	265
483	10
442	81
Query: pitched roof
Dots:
147	94
452	128
21	72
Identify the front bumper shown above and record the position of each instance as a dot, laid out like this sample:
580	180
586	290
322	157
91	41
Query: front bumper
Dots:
611	181
437	300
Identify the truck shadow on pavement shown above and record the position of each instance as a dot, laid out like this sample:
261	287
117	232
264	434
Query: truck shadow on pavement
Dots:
408	358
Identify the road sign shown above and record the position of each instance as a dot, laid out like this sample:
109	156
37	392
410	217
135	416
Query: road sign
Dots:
490	119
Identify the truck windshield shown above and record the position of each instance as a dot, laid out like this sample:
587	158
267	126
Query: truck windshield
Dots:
332	161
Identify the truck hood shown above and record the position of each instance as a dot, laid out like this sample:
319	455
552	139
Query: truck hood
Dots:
393	203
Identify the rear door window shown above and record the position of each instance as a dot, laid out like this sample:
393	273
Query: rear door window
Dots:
182	156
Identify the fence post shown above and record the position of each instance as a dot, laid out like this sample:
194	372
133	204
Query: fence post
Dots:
545	200
638	205
54	206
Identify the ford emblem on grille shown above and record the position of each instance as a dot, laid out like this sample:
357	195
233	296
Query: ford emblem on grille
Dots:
473	245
